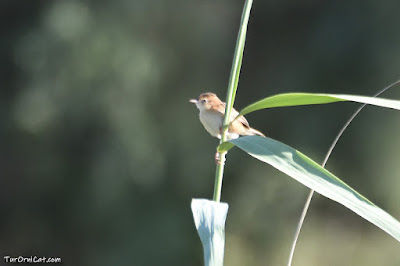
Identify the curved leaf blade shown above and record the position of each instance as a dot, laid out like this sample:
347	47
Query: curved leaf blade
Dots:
309	173
296	99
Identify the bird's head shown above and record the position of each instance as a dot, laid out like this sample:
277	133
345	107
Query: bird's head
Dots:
207	101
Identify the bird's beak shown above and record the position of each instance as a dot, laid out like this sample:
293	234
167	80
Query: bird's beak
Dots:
193	101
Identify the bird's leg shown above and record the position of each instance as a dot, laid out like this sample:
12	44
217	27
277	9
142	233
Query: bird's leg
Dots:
217	155
217	158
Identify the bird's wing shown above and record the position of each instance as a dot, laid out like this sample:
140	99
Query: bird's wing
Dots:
234	114
241	118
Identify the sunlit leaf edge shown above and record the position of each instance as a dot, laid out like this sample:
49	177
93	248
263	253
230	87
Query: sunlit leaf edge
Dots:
296	99
345	195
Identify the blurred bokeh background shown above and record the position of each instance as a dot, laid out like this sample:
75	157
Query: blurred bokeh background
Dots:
101	152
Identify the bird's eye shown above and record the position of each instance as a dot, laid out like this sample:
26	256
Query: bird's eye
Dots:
203	101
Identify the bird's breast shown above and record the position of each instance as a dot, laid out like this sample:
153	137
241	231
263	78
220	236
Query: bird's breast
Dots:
212	122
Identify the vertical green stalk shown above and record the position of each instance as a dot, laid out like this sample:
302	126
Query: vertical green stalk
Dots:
231	93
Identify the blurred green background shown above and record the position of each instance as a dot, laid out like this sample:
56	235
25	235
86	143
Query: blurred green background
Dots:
101	152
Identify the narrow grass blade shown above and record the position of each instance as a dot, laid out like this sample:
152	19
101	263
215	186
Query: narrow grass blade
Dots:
295	99
309	173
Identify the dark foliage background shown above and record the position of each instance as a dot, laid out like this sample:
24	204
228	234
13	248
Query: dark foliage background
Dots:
101	152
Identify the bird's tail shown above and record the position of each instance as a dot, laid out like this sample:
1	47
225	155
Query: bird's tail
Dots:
253	132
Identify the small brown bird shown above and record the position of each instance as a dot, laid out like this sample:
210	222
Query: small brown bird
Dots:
212	111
